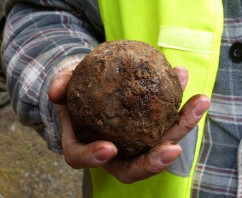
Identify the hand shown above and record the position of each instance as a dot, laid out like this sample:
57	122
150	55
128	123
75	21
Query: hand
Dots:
102	153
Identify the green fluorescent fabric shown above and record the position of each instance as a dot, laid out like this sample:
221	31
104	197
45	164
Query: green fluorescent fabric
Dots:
189	33
186	39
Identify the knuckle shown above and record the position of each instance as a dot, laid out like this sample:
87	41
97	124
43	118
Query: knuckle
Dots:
72	161
153	169
125	179
188	125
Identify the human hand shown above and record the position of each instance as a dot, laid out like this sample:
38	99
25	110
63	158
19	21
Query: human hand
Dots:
102	153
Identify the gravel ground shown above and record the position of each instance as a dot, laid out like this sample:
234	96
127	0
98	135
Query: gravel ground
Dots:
27	168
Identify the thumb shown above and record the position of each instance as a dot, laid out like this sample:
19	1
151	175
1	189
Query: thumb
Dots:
58	86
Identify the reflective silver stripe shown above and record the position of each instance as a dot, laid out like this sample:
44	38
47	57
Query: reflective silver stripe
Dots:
182	166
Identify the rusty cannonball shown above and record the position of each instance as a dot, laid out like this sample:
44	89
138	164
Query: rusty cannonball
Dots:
124	92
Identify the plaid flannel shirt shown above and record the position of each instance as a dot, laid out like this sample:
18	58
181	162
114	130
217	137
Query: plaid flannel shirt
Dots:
43	39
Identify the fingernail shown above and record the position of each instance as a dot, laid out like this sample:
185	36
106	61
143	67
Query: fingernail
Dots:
104	154
183	76
200	108
169	155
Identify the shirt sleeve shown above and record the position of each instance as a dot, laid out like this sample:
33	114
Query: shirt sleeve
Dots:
39	42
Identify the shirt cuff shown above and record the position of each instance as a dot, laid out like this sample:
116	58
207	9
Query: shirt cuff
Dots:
52	129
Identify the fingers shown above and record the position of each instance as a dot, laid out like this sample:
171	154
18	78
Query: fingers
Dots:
89	156
144	166
190	115
182	75
155	161
57	91
78	155
159	158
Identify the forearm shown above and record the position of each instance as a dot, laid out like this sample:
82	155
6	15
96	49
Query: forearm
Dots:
39	42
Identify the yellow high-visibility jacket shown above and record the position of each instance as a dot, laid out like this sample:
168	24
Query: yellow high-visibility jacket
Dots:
189	33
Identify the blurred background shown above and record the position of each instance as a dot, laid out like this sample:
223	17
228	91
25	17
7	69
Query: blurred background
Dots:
27	168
